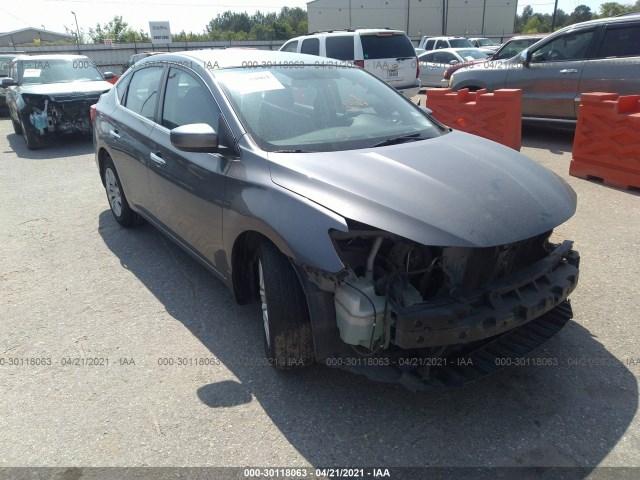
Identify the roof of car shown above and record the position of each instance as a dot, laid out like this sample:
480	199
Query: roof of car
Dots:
238	58
453	50
527	37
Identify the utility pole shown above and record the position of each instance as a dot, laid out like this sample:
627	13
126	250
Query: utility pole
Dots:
553	19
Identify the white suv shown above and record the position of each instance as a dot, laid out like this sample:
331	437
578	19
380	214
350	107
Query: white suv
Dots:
436	43
388	54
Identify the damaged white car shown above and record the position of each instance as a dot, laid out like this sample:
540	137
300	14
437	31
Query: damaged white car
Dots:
50	95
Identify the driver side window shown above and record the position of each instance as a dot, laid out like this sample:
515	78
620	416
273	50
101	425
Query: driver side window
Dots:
573	46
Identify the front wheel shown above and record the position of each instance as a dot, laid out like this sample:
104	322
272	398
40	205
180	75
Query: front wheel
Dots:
17	128
30	136
288	340
120	208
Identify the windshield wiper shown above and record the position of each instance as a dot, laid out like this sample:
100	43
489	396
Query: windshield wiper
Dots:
396	140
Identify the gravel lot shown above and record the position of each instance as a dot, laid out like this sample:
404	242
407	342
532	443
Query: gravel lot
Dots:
74	285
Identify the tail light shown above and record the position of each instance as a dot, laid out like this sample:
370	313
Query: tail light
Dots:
417	67
359	63
92	113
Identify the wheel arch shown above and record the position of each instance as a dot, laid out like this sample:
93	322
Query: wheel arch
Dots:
102	154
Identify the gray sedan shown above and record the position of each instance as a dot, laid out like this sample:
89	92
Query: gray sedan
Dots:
343	210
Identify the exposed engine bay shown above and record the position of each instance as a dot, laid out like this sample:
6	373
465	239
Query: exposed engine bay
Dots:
63	114
404	301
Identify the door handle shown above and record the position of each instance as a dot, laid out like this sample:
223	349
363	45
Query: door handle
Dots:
158	159
569	70
114	134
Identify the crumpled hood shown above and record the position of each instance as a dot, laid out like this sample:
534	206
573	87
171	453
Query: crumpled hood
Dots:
67	89
453	190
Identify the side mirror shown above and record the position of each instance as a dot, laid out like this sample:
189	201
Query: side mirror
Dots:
195	137
109	75
453	62
426	110
8	82
528	54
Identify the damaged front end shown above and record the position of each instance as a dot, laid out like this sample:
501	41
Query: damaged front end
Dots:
443	316
57	115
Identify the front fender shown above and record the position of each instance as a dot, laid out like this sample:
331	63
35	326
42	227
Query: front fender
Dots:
296	225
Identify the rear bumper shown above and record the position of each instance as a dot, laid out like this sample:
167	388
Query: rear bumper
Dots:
494	309
412	90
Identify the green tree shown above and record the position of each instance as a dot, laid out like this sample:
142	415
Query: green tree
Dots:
581	13
534	25
611	9
117	30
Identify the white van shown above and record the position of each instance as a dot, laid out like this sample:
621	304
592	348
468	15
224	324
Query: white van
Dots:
388	54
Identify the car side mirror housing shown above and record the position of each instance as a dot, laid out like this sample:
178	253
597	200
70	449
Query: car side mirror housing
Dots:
8	82
194	137
426	110
109	75
453	62
527	58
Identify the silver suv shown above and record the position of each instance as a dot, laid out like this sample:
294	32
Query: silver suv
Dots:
597	56
388	54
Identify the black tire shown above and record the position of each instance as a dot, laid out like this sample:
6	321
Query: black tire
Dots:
30	136
118	203
17	128
288	339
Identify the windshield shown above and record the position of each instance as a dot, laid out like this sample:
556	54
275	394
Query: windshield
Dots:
321	108
42	71
485	42
460	43
472	54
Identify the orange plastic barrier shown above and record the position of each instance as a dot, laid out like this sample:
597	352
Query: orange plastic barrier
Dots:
607	141
496	116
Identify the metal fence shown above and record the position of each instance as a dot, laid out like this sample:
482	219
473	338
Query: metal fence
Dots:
117	55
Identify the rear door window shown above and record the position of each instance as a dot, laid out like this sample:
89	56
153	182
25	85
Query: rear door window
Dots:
621	42
142	94
429	45
340	47
310	46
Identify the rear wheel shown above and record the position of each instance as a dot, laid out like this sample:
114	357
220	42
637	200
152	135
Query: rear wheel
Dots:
288	340
120	208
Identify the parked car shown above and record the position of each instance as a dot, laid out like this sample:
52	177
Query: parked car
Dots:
388	54
597	56
5	61
433	64
486	44
345	211
50	95
436	43
136	57
515	45
508	50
